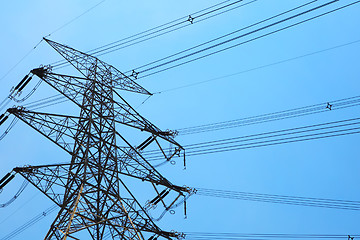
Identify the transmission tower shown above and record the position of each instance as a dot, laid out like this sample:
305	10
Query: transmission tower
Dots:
89	190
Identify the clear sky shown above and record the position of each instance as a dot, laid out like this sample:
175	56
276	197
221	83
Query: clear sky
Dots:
325	168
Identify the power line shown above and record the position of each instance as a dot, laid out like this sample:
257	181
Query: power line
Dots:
299	134
260	67
188	19
263	118
30	223
46	102
291	113
74	19
264	236
162	29
59	98
216	193
235	38
281	199
20	61
56	30
268	143
208	235
280	115
241	36
224	36
19	208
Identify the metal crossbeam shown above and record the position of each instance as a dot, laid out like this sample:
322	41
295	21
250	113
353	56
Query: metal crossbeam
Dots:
89	65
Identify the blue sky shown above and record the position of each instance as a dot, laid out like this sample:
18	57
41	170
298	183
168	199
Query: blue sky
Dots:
326	168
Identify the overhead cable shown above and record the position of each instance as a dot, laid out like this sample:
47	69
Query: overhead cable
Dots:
58	29
224	36
259	67
199	16
59	98
291	113
163	66
74	19
30	223
263	118
281	199
264	236
299	134
46	102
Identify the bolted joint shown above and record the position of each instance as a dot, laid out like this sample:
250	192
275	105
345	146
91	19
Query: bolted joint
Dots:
23	169
12	110
186	189
179	188
168	132
171	133
15	110
40	72
177	235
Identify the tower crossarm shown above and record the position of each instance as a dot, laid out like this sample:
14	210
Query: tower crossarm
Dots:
123	110
49	179
124	217
63	130
87	64
60	129
74	88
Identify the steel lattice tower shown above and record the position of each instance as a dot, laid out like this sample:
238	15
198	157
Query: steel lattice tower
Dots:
89	189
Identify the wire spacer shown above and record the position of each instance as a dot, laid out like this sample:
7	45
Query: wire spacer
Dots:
134	74
191	19
329	106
